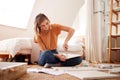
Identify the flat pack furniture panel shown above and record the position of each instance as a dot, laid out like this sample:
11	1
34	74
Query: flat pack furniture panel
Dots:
12	70
91	75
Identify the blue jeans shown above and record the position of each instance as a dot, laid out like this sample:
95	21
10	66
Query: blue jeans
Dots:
47	56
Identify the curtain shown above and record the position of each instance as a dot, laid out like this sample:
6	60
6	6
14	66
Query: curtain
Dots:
95	33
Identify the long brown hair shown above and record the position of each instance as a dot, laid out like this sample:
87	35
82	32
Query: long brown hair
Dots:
38	20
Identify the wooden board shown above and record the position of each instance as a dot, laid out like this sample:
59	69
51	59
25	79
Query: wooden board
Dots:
86	75
12	70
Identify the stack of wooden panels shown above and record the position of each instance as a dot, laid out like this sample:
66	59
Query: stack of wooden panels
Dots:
12	70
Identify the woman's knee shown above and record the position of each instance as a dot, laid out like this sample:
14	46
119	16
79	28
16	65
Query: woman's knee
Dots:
78	60
43	56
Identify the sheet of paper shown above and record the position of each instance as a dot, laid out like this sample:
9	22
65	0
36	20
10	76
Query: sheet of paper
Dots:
70	55
46	70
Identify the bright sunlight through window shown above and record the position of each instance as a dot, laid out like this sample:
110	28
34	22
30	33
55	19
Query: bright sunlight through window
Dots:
15	13
81	20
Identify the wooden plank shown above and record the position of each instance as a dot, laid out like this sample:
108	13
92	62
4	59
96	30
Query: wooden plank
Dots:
12	70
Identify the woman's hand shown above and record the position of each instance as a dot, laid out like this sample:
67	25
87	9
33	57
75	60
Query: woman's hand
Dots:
61	57
65	46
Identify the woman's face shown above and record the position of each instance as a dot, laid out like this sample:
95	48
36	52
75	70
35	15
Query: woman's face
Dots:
45	25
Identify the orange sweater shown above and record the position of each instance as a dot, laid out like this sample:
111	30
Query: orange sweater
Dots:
49	38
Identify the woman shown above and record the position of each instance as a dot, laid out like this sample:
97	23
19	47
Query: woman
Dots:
46	35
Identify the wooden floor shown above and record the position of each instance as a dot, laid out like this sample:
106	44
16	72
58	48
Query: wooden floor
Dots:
43	76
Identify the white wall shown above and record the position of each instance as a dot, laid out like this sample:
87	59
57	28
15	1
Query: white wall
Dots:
58	11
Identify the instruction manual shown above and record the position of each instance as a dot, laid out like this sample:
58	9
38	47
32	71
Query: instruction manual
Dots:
70	55
46	70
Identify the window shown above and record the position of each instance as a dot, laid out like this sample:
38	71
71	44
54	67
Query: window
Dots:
81	20
15	13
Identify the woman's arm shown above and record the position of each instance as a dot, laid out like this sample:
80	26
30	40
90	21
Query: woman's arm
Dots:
69	35
39	42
